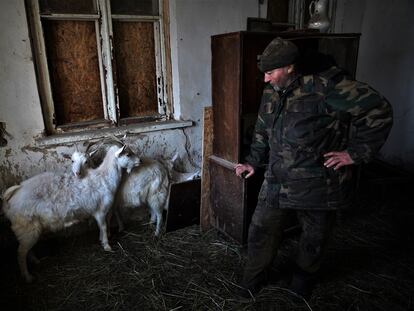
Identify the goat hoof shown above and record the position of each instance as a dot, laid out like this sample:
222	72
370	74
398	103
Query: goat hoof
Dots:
107	248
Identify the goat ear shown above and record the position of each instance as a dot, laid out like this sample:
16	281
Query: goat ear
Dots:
116	139
92	153
120	150
88	146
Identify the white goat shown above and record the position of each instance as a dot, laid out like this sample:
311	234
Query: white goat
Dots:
52	201
176	176
79	163
147	185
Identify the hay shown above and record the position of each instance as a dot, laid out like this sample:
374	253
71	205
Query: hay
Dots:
368	267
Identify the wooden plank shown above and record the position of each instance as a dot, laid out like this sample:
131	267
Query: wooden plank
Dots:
42	70
167	52
227	164
227	202
135	68
226	95
233	199
74	70
207	149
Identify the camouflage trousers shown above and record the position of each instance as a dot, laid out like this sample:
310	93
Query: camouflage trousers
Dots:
266	234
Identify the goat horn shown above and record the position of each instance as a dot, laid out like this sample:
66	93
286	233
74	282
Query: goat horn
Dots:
116	139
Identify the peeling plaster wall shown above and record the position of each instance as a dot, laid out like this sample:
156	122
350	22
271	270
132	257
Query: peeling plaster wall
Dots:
19	109
192	24
386	62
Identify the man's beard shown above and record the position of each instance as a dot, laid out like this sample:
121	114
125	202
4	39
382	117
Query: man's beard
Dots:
284	84
280	86
276	87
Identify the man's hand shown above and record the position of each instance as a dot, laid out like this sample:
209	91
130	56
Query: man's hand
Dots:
337	159
241	168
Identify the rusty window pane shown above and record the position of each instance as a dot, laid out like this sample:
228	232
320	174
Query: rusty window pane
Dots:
67	7
74	70
133	7
135	68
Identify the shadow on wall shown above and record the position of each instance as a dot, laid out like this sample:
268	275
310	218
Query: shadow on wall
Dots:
3	134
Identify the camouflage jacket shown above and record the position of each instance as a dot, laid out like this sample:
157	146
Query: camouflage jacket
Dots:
316	114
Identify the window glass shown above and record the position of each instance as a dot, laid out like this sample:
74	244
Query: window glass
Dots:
133	7
67	7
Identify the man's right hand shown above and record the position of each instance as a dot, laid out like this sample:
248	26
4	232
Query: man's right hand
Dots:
245	167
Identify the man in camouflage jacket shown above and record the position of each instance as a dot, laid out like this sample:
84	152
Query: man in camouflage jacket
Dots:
309	132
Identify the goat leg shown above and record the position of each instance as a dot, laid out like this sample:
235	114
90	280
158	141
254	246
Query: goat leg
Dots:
26	241
103	231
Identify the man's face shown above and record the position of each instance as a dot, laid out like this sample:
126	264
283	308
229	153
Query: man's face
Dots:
278	77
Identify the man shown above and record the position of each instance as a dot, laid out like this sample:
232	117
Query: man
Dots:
309	132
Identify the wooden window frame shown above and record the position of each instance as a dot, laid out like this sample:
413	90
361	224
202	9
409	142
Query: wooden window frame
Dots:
103	26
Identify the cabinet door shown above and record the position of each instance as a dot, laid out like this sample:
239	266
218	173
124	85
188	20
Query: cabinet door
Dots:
233	199
228	202
226	73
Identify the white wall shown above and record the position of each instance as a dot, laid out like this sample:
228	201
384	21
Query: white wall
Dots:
386	62
19	105
192	24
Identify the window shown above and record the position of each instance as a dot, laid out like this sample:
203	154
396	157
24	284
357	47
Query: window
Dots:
100	63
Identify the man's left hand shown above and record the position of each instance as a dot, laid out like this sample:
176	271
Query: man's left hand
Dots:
337	159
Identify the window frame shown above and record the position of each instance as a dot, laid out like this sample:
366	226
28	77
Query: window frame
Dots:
104	42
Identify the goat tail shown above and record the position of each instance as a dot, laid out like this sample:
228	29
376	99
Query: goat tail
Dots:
10	192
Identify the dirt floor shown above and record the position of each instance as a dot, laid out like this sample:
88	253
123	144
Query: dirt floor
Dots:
369	266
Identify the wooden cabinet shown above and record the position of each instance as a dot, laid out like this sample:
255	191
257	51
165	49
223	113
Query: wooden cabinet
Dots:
237	86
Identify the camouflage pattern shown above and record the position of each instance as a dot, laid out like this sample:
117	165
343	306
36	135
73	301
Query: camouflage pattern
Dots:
266	233
316	114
